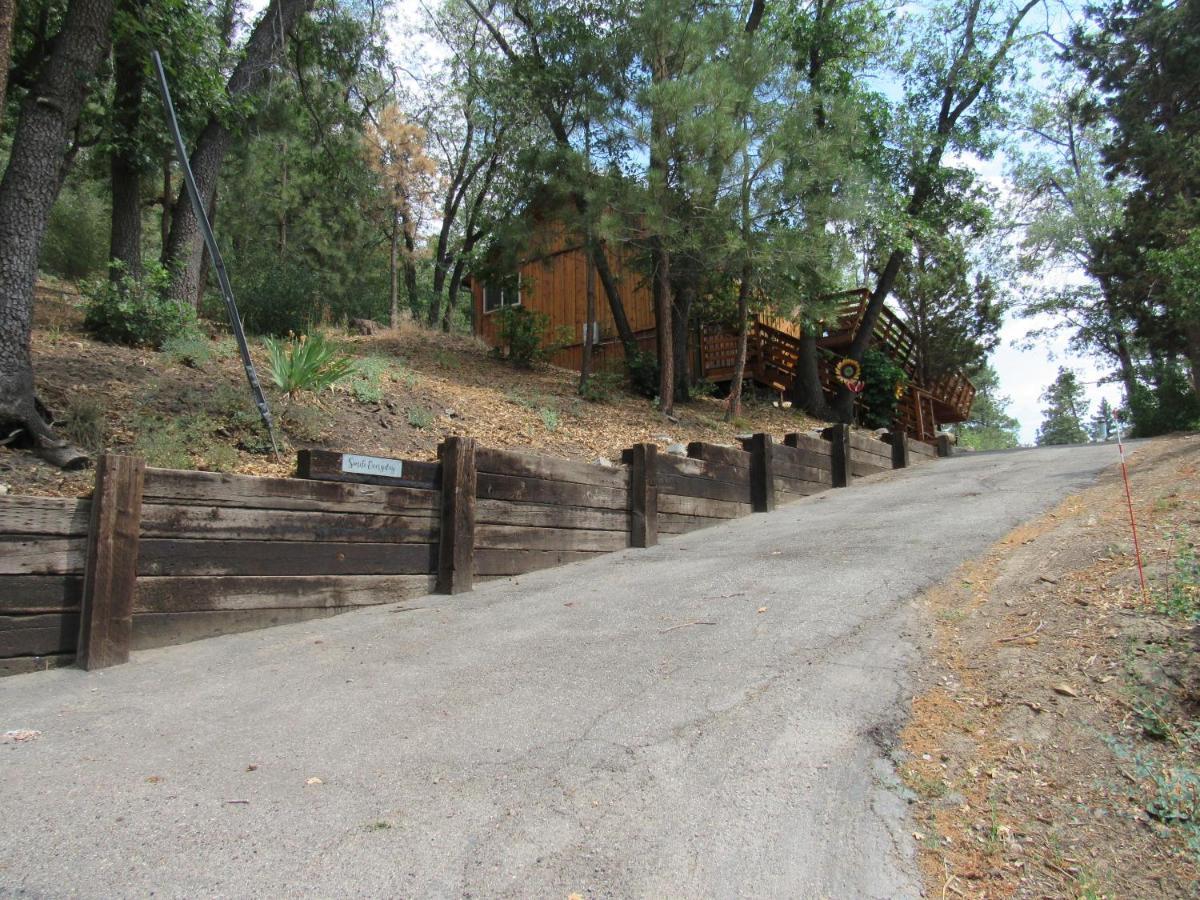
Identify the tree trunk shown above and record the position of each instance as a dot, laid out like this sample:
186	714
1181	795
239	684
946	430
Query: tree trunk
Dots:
125	237
184	243
36	168
8	11
283	187
394	272
681	316
166	204
1191	334
733	408
661	290
409	265
806	392
585	365
456	277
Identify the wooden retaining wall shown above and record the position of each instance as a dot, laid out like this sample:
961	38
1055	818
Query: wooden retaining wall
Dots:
160	557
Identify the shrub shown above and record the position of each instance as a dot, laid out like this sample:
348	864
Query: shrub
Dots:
522	332
600	387
643	373
76	242
83	422
419	417
278	298
883	379
135	311
191	349
307	363
549	417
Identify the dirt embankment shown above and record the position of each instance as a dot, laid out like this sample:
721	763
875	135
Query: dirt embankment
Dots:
1055	749
189	407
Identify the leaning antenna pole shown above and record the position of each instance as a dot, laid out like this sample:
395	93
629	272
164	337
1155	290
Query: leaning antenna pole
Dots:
214	254
1137	547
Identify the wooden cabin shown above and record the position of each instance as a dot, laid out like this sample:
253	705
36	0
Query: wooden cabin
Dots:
552	278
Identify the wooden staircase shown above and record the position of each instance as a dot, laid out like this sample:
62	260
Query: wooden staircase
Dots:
773	352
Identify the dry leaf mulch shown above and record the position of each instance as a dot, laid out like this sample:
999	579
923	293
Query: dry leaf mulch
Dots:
1035	766
446	384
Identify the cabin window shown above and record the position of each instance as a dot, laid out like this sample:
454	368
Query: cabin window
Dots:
501	292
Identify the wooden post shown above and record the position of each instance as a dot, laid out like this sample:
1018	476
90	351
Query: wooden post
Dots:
456	538
642	460
110	571
762	471
944	447
899	441
839	456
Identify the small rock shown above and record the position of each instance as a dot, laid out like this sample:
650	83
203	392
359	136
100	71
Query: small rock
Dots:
452	414
677	449
1065	690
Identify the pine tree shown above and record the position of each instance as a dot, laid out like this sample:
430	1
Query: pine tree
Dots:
1063	416
990	426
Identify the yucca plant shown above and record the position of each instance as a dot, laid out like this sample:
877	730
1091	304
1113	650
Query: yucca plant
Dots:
307	363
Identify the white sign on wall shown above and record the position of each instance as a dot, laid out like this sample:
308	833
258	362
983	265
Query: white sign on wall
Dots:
372	465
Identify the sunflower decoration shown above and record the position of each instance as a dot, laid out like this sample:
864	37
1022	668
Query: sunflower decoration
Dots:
899	392
849	373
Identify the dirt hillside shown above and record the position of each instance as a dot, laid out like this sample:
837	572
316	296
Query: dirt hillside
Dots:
189	407
1055	750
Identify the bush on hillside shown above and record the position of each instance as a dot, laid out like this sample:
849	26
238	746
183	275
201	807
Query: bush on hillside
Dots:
137	312
76	242
522	334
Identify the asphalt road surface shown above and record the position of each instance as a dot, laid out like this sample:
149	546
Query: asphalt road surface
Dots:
708	718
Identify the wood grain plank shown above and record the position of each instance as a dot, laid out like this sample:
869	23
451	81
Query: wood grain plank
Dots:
674	504
187	594
42	556
503	512
232	523
158	557
492	563
215	489
456	543
61	517
110	570
516	537
529	465
688	486
38	635
541	490
25	594
729	456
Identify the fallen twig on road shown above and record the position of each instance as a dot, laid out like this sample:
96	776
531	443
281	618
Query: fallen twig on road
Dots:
686	624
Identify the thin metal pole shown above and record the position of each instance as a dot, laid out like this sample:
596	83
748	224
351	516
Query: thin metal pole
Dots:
235	320
1137	549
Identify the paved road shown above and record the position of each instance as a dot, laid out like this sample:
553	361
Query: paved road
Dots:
554	735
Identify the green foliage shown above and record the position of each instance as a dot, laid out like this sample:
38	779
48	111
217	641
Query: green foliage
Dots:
600	387
277	298
366	391
135	312
1180	596
643	373
76	242
82	421
1162	402
419	417
1064	413
307	363
522	333
882	379
190	348
305	423
220	458
170	442
549	417
990	427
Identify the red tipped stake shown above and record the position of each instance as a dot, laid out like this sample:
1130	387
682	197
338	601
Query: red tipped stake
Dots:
1137	548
